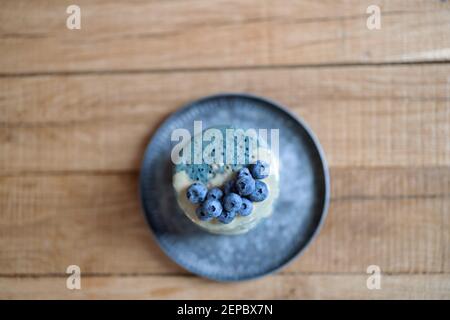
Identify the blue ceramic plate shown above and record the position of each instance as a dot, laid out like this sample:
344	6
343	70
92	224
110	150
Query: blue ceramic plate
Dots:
298	214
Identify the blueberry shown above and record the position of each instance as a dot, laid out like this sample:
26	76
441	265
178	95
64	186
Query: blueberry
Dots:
244	172
228	187
260	169
227	216
214	194
212	207
261	192
246	207
196	193
232	202
245	185
202	215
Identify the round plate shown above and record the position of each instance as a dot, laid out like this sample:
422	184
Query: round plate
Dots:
298	213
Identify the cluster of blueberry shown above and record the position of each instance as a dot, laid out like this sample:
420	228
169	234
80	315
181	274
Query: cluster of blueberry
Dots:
235	198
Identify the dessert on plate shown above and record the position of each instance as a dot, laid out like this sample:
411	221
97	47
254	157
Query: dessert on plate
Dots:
226	180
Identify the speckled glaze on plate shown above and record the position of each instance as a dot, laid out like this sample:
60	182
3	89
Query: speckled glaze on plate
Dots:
298	213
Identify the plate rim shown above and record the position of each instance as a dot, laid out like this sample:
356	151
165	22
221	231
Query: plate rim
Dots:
324	166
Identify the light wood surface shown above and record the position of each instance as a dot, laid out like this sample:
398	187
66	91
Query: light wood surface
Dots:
317	286
217	34
77	109
363	116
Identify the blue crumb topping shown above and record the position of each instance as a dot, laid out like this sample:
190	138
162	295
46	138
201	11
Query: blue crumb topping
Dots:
204	172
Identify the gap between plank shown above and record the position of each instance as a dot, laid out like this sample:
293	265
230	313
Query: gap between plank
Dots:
112	172
215	69
191	275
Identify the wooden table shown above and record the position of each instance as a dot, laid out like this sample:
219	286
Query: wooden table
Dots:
77	108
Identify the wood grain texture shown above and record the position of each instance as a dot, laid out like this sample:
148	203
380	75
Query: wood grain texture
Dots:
389	116
77	109
216	34
272	287
395	218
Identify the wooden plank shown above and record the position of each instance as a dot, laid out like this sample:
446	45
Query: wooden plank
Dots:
395	218
226	33
49	223
390	116
307	286
445	226
66	99
404	235
354	184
